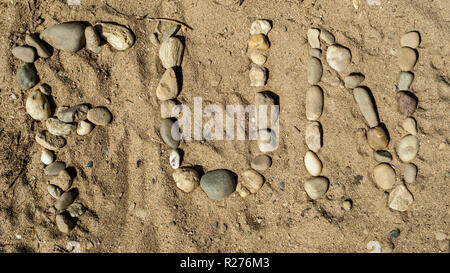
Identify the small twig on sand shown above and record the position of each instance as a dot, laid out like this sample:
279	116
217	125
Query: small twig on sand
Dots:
15	179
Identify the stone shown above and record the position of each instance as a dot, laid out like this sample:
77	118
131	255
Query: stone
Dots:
170	133
258	41
400	198
93	41
47	157
374	2
167	109
261	162
62	180
174	159
40	47
313	136
45	89
314	70
384	176
347	204
37	106
59	128
84	128
327	36
405	79
267	140
218	184
54	168
312	163
366	105
407	58
314	103
313	37
250	181
410	39
382	156
186	179
24	53
258	76
406	103
27	76
73	114
316	187
260	27
99	116
169	32
168	86
49	141
118	36
410	173
54	191
171	52
377	138
441	236
257	57
338	57
315	52
66	200
65	36
76	210
410	125
63	223
353	80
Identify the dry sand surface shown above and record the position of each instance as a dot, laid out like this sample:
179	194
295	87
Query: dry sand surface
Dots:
133	203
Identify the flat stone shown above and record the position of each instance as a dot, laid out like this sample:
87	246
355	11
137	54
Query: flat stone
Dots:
410	173
327	36
384	176
313	136
353	80
218	184
93	41
171	52
27	76
99	116
314	103
407	58
172	139
405	79
316	187
261	162
313	37
24	53
258	41
76	210
410	125
62	180
59	128
260	27
54	168
314	70
47	157
49	141
186	179
84	128
400	198
406	103
408	148
63	223
168	86
366	105
65	200
377	138
410	39
174	159
338	57
250	182
118	36
258	76
65	36
37	106
312	163
382	156
54	191
40	47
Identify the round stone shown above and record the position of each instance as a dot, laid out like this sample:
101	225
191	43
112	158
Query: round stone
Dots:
37	106
174	159
54	191
76	210
62	180
314	103
49	141
410	125
408	148
63	223
186	179
327	36
338	57
84	128
93	41
313	37
258	41
250	182
312	163
118	36
400	198
382	156
218	184
65	200
406	103
366	105
314	70
410	173
65	36
353	80
261	162
260	27
27	76
258	76
407	58
171	52
168	109
410	39
377	138
54	168
316	187
384	176
72	114
170	133
40	47
405	79
99	116
24	53
257	57
59	128
168	86
47	156
313	136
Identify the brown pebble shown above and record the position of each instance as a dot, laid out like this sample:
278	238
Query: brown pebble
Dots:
406	103
258	41
377	138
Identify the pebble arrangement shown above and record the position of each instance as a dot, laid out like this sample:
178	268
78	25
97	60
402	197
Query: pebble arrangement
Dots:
66	120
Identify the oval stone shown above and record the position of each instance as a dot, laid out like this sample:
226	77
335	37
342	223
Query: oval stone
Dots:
406	103
258	41
54	168
312	163
407	58
314	102
353	80
174	159
338	57
313	136
366	105
313	37
405	79
37	106
261	163
408	148
410	39
99	116
63	223
27	76
84	128
260	27
327	36
168	86
384	176
257	57
377	138
171	52
65	200
65	36
410	173
170	133
59	128
47	157
118	36
258	76
24	53
54	191
250	182
410	125
316	187
314	70
218	184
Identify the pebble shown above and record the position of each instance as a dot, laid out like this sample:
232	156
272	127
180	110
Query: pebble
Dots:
99	116
27	76
316	187
260	27
366	105
49	141
312	163
54	191
258	76
314	70
166	133
261	162
400	198
313	37
169	32
76	210
47	157
410	39
73	114
65	200
314	103
37	106
40	47
258	41
63	223
384	176
410	125
315	52
90	164
353	80
395	233
24	53
84	128
347	204
218	184
407	148
407	58
168	86
338	57
167	109
405	79
45	89
267	140
257	57
171	52
440	236
327	36
250	182
410	173
313	136
62	180
93	41
59	128
65	36
186	179
377	138
382	156
174	159
406	103
118	36
54	168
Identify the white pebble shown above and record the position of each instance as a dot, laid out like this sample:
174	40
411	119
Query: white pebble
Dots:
174	159
47	157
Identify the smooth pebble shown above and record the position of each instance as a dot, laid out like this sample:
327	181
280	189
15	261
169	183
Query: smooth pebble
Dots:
316	187
257	57
258	76
40	47
338	57
314	70
261	162
63	223
186	179
250	182
353	80
410	39
59	128
313	136
171	52
93	41
174	159
315	52
314	103
99	116
312	163
47	157
377	138
327	36
405	79
37	106
169	32
66	200
54	191
24	53
313	37
54	168
408	148
382	156
384	176
118	36
27	76
410	125
260	27
406	103
170	133
366	105
84	128
258	41
407	58
410	173
62	180
218	184
168	86
400	198
65	36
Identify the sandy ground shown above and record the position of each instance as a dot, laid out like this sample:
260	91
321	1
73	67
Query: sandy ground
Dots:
134	205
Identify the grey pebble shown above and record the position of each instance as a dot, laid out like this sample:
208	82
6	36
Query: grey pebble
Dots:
166	133
63	223
55	168
382	156
314	70
54	191
66	200
73	114
353	80
24	53
261	162
405	79
99	116
65	36
218	184
27	76
410	173
366	105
